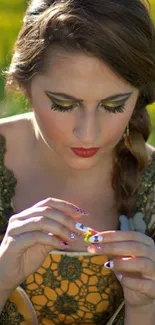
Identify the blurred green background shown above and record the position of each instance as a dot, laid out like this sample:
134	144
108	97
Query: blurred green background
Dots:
11	15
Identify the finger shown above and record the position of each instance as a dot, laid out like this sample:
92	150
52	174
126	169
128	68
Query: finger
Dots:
50	213
126	249
141	265
42	224
144	286
64	206
30	239
118	236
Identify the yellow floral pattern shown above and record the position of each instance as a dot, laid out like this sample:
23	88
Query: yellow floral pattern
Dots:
73	290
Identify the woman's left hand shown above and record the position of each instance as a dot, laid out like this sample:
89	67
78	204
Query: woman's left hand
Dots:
132	258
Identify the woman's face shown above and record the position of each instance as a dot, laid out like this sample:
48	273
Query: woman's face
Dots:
95	107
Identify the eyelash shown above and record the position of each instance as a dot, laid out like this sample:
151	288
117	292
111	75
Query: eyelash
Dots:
59	108
56	107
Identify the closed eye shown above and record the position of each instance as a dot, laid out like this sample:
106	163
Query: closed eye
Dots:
69	108
115	109
60	108
56	106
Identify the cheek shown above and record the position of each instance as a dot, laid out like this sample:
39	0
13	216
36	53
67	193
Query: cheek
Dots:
53	124
115	126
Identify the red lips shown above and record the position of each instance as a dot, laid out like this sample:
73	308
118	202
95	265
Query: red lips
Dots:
85	153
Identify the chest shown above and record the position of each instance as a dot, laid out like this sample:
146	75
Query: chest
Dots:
33	187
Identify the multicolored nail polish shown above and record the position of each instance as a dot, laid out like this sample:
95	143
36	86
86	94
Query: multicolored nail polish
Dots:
82	211
95	249
119	277
91	249
109	265
64	244
73	236
82	228
87	236
99	248
96	239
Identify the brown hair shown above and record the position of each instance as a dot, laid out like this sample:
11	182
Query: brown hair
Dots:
119	32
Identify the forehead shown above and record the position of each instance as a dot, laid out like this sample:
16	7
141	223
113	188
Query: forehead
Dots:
82	75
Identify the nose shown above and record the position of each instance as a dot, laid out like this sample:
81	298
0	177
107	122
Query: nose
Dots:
87	129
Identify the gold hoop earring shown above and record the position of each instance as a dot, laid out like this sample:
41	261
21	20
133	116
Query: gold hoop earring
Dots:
127	131
127	138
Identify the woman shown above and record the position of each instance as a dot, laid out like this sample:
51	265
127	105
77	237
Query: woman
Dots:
88	71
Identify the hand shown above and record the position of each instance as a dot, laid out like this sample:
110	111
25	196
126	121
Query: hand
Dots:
32	234
132	258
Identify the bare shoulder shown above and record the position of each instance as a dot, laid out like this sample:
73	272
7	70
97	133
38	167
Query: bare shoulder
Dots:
16	128
16	124
150	149
17	131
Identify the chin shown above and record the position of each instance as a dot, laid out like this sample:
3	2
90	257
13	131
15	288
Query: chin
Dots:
82	164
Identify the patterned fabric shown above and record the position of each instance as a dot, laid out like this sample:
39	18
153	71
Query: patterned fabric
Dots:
7	189
146	197
11	315
72	290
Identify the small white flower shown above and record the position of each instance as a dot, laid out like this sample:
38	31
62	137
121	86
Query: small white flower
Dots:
136	223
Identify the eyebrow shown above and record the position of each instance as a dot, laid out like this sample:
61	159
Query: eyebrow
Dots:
116	97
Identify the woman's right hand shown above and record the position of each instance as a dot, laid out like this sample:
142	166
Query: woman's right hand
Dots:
32	234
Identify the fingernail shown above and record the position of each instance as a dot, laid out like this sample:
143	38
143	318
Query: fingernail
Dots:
96	239
82	211
73	236
64	244
109	265
81	227
95	249
119	277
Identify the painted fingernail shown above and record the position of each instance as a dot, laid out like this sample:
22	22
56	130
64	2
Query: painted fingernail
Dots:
95	249
73	236
99	248
64	244
96	239
109	265
81	227
119	277
82	211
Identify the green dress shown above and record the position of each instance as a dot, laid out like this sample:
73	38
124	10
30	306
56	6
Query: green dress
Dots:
70	289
